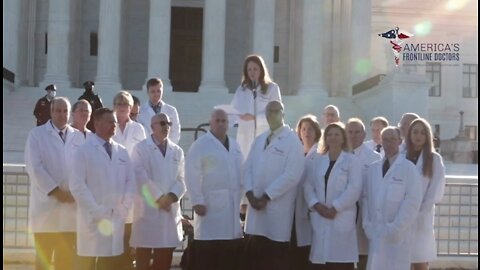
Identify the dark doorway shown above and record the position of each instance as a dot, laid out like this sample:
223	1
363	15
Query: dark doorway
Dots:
186	49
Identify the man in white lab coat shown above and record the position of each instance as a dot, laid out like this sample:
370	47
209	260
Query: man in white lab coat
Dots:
159	172
156	105
212	176
376	125
102	183
391	204
272	171
52	207
355	130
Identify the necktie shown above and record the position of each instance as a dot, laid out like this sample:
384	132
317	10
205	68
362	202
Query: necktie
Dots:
61	136
378	148
162	148
386	166
108	148
269	138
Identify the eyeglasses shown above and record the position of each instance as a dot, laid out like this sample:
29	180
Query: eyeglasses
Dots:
163	123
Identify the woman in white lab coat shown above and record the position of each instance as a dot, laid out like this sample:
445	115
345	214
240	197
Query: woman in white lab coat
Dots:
309	132
333	186
250	100
420	150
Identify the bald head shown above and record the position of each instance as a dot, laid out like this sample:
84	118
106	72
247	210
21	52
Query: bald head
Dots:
219	123
274	114
391	140
59	111
160	124
331	114
407	119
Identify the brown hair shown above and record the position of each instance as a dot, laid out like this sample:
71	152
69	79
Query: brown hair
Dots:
312	119
427	148
264	79
154	81
324	147
380	119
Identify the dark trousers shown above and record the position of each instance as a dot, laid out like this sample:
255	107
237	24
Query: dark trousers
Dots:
216	255
98	263
362	262
333	266
127	258
162	258
299	258
62	245
265	254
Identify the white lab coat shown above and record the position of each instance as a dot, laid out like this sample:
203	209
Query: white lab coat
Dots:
275	171
366	156
131	135
157	175
424	246
212	176
244	103
334	240
104	190
145	116
392	204
373	146
303	227
47	164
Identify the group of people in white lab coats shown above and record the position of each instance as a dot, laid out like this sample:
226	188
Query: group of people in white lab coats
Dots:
314	201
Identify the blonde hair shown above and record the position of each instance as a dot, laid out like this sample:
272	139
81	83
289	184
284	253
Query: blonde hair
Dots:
123	97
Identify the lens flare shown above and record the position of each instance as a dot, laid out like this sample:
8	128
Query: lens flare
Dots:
105	227
454	5
423	28
148	197
363	66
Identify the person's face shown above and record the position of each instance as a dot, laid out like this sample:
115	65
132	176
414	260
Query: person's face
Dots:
330	116
82	114
161	126
274	113
134	112
390	141
405	124
59	113
155	93
105	126
355	134
307	133
51	93
219	123
334	138
376	128
122	109
418	136
253	70
89	87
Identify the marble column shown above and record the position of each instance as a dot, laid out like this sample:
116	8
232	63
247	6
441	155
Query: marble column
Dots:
311	60
264	31
159	42
109	38
361	34
59	16
213	51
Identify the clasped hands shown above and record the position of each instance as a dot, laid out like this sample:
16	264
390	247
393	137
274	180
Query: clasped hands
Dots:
247	117
63	196
258	203
324	211
165	202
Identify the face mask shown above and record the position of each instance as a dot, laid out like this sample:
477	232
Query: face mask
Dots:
51	94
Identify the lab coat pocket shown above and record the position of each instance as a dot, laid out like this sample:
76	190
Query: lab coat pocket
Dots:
345	221
218	200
